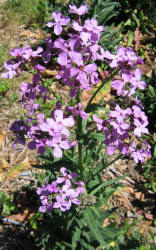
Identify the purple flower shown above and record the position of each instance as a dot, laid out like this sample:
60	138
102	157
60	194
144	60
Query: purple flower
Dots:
62	193
81	74
66	177
47	53
52	188
98	121
80	189
91	26
27	53
135	81
68	51
78	111
58	144
11	69
60	21
62	204
139	152
140	128
79	11
124	57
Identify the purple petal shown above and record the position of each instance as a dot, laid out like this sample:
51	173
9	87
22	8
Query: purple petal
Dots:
32	145
68	122
62	58
58	115
63	170
57	29
65	21
76	57
57	16
57	152
138	74
60	180
42	209
90	68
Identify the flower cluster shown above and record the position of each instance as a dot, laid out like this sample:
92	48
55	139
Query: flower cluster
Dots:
51	132
20	57
29	92
130	78
62	193
75	55
122	127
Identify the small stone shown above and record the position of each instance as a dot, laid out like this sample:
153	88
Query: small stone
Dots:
25	173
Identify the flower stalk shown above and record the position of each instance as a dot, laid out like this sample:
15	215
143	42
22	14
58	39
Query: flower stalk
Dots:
79	137
100	87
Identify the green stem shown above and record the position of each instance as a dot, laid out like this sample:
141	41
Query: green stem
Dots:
100	87
58	99
79	136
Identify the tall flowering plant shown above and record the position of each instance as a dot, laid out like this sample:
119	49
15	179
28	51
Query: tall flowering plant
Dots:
80	136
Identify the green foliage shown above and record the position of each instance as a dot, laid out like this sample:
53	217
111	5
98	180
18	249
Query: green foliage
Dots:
148	98
4	53
149	168
3	87
103	11
6	205
30	11
141	14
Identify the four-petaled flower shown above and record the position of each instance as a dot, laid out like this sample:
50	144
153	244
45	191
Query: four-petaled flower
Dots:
60	21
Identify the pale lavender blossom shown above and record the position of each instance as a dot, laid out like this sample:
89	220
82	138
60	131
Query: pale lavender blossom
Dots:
11	69
60	21
79	11
69	52
140	128
62	204
135	81
98	121
66	177
81	74
125	56
91	26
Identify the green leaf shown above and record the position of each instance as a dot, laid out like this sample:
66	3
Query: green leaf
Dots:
109	233
128	22
154	154
97	136
67	244
70	223
92	184
76	237
3	197
93	106
86	245
8	207
102	201
104	184
80	223
130	38
91	224
136	19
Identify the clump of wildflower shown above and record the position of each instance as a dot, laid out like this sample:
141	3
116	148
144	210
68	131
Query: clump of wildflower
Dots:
121	128
62	193
20	57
